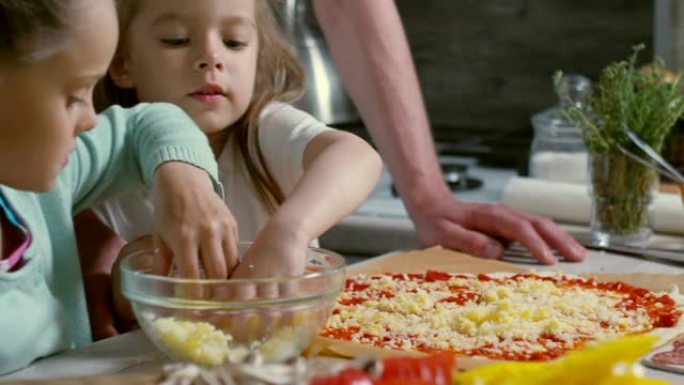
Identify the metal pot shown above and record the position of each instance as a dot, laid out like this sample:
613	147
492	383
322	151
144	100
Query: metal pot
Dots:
325	97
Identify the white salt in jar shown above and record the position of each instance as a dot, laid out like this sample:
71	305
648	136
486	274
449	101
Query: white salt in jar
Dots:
560	166
558	152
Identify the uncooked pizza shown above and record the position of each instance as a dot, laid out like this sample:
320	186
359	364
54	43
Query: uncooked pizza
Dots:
525	317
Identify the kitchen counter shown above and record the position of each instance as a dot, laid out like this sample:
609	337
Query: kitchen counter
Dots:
377	227
132	352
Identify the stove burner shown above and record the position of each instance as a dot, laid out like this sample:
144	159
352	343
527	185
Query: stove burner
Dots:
456	177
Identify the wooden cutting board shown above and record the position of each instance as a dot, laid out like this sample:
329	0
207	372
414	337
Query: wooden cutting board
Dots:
114	379
455	262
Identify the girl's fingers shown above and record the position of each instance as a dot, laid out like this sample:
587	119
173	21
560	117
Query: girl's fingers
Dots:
186	258
241	320
231	253
163	260
211	253
267	290
231	256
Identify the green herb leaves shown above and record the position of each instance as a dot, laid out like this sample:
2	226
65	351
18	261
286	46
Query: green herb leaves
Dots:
644	100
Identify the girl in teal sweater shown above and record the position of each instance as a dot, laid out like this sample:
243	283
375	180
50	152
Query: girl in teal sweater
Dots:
57	157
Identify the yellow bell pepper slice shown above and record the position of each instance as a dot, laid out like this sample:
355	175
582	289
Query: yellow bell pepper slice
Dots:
608	363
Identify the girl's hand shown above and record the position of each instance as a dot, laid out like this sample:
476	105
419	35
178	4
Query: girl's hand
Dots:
192	224
276	252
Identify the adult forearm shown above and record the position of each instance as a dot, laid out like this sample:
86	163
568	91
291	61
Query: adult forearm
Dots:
370	49
335	183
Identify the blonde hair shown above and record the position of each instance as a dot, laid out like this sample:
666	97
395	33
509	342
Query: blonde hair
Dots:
279	77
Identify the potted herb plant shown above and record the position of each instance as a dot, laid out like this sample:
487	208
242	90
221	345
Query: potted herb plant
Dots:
647	102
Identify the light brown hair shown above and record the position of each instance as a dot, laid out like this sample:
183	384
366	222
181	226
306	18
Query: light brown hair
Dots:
279	77
32	30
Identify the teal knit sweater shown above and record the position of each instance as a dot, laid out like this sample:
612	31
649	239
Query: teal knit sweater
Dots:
42	305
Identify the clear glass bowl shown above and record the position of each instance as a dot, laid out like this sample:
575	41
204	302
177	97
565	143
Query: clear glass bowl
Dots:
209	321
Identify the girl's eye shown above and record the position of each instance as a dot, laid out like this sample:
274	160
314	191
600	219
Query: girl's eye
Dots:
175	41
75	101
235	44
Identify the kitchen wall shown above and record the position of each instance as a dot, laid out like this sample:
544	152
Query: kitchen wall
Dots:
485	66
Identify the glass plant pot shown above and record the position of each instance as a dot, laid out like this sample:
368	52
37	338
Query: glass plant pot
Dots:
622	191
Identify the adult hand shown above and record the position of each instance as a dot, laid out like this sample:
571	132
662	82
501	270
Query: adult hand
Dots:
483	229
192	224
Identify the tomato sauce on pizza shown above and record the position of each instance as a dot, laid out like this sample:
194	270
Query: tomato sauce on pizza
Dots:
525	317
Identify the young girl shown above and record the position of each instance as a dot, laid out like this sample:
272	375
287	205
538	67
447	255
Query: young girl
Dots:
288	177
51	54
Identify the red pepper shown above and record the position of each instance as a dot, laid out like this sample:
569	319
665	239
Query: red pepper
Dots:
349	376
395	381
435	369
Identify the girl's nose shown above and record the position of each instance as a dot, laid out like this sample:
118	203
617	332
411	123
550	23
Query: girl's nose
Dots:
208	62
87	120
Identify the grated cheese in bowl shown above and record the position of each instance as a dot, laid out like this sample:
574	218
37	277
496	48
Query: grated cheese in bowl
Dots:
203	320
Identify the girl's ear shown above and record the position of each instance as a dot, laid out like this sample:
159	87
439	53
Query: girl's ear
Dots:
119	73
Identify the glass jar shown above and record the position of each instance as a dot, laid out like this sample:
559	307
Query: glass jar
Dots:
622	191
558	152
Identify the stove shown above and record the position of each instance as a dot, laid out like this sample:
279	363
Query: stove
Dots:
456	177
476	165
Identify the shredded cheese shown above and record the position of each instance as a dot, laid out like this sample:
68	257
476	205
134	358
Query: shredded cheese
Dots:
468	315
205	344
